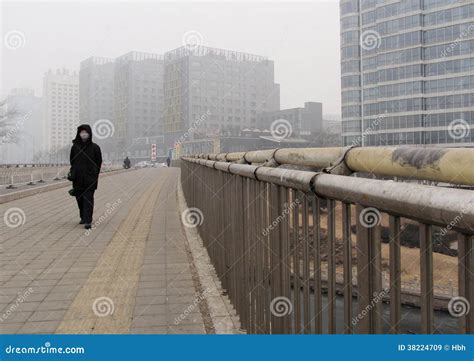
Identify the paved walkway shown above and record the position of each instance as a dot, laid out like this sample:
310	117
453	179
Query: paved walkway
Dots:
130	274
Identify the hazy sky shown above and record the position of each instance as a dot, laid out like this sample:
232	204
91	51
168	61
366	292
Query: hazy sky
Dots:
301	37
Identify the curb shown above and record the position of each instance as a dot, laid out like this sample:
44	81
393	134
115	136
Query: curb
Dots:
222	314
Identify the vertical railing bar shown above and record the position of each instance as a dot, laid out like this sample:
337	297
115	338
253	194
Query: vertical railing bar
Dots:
267	264
331	255
395	274
296	263
259	254
426	276
306	302
347	265
318	317
466	282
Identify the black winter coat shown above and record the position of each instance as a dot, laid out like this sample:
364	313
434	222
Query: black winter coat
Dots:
86	160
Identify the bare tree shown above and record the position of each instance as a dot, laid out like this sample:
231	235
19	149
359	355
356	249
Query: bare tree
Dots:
11	123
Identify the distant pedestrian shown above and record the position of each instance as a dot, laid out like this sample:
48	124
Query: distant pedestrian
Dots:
168	161
126	163
86	160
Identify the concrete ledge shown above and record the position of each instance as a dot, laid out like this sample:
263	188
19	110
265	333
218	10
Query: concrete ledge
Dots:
222	314
9	197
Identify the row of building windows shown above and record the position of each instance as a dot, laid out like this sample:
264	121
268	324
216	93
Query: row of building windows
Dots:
449	15
350	66
393	74
454	49
417	87
393	90
449	33
450	102
451	84
394	106
450	67
350	96
429	53
351	111
431	137
397	41
412	71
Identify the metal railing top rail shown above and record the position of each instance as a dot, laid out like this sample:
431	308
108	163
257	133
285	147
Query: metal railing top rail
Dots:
450	165
428	204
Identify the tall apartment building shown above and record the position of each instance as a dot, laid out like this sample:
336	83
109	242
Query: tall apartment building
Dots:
215	89
407	72
304	121
138	96
60	108
96	90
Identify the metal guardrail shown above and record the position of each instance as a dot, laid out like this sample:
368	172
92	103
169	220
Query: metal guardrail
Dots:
13	175
271	234
450	165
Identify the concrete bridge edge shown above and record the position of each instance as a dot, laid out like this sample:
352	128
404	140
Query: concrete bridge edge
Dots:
222	314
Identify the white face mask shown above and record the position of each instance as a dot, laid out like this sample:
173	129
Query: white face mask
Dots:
84	135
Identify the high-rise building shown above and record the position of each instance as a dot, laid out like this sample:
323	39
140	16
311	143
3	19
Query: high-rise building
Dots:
304	121
96	90
60	108
407	72
138	96
215	90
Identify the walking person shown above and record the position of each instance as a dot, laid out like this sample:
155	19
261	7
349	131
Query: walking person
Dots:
86	160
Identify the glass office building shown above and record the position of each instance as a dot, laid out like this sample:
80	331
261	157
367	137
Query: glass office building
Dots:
407	72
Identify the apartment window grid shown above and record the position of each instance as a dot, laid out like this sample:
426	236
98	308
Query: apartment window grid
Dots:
422	65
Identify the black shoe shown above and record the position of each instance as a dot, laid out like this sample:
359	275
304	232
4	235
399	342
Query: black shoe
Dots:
87	226
82	222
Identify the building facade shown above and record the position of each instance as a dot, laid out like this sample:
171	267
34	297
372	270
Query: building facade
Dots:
407	72
215	89
304	121
96	90
60	108
138	95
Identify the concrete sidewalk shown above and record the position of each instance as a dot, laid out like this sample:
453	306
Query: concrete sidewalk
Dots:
130	274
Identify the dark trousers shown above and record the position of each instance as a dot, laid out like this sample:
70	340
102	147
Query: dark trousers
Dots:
85	201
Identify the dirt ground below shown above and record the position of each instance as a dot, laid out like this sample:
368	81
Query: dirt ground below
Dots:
445	271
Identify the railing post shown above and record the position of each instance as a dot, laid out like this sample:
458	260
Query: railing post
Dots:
368	275
466	282
426	275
